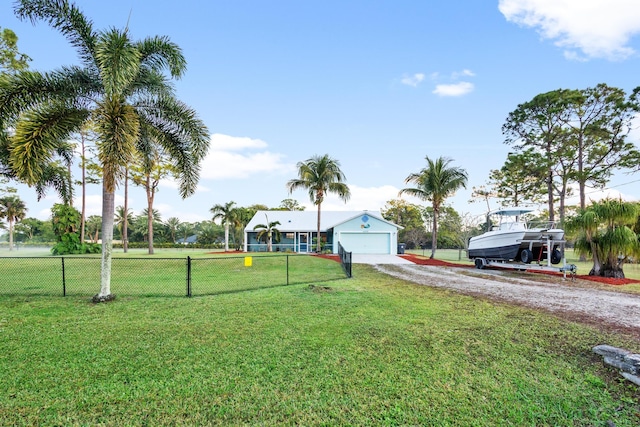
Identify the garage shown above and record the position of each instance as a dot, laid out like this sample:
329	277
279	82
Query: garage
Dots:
367	233
366	243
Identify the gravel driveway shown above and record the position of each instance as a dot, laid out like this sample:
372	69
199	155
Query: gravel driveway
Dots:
572	300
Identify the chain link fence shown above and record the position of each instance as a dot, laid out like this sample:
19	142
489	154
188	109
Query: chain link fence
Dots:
80	276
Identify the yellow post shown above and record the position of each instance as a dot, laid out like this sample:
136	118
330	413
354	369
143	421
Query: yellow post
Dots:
248	261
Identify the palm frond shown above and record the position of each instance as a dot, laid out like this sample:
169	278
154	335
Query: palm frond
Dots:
118	61
184	137
66	18
158	53
55	176
39	134
29	89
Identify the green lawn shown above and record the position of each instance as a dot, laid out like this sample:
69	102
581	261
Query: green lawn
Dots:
163	274
371	350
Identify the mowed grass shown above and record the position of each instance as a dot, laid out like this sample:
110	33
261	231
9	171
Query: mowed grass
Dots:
371	350
163	274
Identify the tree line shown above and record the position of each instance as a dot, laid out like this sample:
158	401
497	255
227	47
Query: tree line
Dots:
65	222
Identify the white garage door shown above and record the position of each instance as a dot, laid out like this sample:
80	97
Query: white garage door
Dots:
366	243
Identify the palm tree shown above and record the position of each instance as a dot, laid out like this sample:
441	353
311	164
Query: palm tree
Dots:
121	87
241	218
227	215
606	234
144	222
173	224
94	223
122	220
207	233
13	210
435	183
268	232
185	230
320	175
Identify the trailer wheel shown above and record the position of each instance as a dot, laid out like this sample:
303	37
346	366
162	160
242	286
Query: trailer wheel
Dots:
480	263
526	256
556	256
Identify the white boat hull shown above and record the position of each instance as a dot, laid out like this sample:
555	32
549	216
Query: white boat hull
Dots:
496	245
506	246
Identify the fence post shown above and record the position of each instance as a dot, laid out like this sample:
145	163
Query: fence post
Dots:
188	276
287	270
64	281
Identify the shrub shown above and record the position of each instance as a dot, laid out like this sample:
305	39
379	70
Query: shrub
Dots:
70	244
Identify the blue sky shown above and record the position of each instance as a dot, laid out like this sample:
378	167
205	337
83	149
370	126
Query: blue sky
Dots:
377	85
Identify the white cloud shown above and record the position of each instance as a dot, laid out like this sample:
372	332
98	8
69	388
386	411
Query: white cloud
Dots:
413	80
464	73
455	89
596	28
221	142
241	157
597	194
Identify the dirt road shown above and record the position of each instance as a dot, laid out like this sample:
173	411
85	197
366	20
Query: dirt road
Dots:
572	300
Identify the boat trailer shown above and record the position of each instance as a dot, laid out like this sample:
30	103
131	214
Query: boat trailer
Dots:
534	265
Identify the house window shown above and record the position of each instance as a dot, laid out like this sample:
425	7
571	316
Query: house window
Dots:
289	235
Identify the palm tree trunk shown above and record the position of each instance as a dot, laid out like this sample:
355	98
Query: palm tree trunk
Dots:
108	209
10	233
318	236
150	218
125	222
226	236
434	233
84	192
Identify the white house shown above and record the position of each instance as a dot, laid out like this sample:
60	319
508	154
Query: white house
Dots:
362	232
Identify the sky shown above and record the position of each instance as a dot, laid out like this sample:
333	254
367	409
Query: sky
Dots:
377	85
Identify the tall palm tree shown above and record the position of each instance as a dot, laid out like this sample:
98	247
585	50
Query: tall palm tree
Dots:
121	86
122	220
173	224
227	214
268	232
320	175
435	183
12	209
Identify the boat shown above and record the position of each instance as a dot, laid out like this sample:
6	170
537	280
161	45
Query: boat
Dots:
512	239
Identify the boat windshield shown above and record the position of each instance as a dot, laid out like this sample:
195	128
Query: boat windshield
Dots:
513	225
